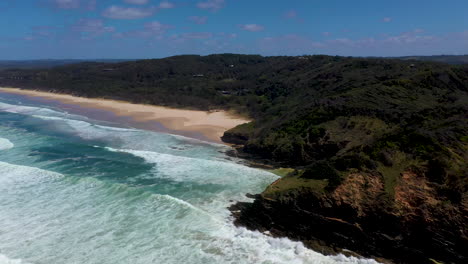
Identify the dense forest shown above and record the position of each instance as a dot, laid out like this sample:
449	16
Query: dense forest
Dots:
50	63
390	121
450	59
31	64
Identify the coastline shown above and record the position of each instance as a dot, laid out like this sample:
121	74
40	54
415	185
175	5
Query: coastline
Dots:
211	125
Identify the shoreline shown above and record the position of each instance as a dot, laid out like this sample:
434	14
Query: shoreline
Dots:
210	125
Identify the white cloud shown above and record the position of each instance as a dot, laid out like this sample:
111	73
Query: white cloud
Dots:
213	5
252	27
197	35
117	12
198	19
290	14
136	2
71	4
66	4
166	5
41	32
92	26
409	37
153	29
406	43
156	27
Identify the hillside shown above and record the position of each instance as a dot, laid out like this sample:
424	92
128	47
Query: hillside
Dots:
32	64
379	146
450	59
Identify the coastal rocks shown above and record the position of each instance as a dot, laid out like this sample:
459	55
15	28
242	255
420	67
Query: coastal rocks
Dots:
234	138
411	225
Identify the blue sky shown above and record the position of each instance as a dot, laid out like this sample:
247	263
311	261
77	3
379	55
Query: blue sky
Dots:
39	29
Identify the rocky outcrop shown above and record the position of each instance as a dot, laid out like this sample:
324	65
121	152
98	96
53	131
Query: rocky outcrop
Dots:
410	225
234	138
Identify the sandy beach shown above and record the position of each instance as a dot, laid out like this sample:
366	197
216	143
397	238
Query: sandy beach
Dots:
211	125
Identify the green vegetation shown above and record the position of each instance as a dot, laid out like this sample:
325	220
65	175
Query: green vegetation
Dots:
31	64
282	172
293	184
391	172
352	113
450	59
323	170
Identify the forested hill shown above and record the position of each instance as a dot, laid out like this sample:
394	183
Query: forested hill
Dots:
32	64
362	134
450	59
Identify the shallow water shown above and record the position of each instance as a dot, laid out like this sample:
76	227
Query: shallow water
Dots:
76	190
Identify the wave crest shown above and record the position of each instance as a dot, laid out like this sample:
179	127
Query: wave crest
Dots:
5	144
5	260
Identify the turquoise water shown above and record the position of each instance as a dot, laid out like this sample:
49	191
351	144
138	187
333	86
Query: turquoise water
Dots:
75	190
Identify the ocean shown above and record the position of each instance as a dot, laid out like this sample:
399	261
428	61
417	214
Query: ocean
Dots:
78	190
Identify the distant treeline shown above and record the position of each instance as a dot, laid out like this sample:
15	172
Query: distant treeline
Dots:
450	59
31	64
50	63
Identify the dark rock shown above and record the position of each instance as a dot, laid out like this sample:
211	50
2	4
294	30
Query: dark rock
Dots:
411	227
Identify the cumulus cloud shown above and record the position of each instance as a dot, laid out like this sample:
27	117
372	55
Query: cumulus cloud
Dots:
202	39
92	26
252	27
153	29
406	43
166	5
70	4
156	27
136	2
117	12
197	35
198	19
65	4
41	32
288	44
213	5
412	42
410	37
290	14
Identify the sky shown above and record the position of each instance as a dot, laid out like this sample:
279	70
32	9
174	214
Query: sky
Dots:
133	29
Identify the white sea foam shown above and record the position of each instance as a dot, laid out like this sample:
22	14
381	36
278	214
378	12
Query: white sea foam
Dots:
90	221
5	144
23	175
227	238
180	168
265	249
30	110
5	260
80	125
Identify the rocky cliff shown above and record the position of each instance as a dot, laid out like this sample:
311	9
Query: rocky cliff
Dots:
413	225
